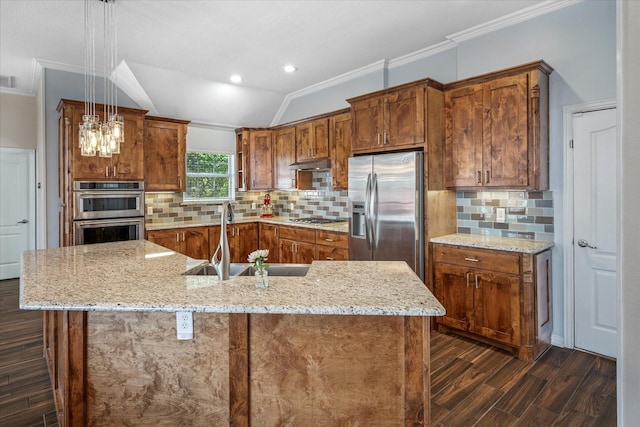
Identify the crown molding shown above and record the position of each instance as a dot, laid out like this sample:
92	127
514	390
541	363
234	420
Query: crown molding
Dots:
367	69
511	19
216	126
129	84
422	53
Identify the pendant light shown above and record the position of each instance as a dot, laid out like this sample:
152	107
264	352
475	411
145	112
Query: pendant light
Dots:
98	137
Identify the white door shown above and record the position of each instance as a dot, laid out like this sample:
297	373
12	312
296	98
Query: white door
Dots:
594	236
17	208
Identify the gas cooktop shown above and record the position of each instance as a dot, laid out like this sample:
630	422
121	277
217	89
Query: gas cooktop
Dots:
313	220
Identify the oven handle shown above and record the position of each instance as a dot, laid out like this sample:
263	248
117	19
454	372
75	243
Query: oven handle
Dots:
94	223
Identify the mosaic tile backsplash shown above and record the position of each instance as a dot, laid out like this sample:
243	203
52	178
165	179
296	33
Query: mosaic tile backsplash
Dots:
321	201
527	215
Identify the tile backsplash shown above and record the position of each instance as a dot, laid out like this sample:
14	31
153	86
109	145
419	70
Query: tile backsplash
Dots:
320	201
528	215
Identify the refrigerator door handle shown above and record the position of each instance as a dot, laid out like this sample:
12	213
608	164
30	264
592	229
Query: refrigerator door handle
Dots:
374	209
367	213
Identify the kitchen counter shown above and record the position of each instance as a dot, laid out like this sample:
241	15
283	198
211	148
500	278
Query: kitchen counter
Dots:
346	344
496	243
342	226
142	276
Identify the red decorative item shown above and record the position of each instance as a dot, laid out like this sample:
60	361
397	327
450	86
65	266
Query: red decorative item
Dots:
267	209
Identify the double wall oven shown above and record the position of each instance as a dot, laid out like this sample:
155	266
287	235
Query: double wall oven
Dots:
107	211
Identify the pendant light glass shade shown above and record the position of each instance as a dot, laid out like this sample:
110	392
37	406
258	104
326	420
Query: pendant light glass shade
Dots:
96	137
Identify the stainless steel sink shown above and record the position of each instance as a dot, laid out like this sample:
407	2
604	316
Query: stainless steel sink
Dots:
292	270
208	270
246	269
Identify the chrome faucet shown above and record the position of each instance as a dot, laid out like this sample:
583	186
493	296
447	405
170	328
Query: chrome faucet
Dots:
222	262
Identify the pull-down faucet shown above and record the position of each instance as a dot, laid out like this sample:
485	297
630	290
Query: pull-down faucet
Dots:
222	263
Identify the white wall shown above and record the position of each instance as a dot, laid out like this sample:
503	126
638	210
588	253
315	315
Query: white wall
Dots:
18	121
207	138
629	277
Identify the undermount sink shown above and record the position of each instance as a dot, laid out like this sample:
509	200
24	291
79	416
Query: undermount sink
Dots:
245	269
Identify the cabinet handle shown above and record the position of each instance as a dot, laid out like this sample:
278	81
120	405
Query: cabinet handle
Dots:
472	259
106	171
275	231
486	177
384	138
329	240
238	230
115	171
177	237
479	178
378	139
468	273
184	236
180	182
330	259
476	281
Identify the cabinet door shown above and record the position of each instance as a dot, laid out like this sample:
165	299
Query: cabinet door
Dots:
367	118
340	151
164	156
304	142
269	240
331	253
85	167
304	253
284	155
454	289
463	137
286	251
404	118
320	139
497	306
196	242
214	239
261	160
170	239
242	154
505	136
129	164
246	241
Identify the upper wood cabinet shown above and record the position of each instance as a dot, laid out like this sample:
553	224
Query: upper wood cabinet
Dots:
284	155
390	119
165	145
128	165
312	140
497	130
254	149
340	149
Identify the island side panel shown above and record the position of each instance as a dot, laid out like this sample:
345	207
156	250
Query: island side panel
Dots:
417	396
325	370
138	371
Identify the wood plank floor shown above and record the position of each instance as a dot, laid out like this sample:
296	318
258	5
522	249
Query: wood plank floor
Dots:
472	384
26	398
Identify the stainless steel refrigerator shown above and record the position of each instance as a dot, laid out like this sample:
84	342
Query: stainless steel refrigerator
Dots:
386	208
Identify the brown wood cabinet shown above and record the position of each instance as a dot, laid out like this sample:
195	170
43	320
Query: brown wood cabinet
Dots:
340	149
192	241
242	154
254	159
312	140
497	129
165	145
332	246
502	297
243	239
390	119
284	148
268	237
296	245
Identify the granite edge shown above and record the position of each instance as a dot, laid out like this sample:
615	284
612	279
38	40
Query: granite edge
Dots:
507	244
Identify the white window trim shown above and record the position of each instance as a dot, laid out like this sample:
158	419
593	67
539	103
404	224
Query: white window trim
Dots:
232	180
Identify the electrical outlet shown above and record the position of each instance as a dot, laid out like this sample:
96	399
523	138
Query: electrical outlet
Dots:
149	210
184	325
253	206
500	215
291	206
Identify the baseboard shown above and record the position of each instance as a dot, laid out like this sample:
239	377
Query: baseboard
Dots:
557	340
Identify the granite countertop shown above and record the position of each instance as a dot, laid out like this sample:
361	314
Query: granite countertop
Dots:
342	226
496	243
139	275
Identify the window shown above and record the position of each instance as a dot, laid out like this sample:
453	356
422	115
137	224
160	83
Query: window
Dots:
209	176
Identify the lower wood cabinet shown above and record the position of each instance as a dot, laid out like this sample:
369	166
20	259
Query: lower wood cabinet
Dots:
296	245
332	246
192	241
243	239
268	237
498	297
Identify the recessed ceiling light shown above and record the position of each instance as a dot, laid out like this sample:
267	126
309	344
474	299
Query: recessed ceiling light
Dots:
236	78
289	68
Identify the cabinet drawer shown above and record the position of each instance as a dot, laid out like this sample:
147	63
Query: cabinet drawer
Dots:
298	234
332	238
330	253
478	258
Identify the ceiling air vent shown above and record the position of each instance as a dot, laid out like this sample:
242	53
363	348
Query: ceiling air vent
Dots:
7	81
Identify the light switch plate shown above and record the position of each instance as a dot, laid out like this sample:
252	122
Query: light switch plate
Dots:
500	214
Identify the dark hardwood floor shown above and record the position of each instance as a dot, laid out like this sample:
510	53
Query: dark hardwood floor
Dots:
26	398
472	384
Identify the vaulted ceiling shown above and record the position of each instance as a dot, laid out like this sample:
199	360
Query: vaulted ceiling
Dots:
177	56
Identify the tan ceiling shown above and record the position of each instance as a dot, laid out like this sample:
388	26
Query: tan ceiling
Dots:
181	53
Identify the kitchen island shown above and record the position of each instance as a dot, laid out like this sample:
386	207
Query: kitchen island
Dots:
347	344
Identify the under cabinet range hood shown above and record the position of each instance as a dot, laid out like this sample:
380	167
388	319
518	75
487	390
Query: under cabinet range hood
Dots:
319	164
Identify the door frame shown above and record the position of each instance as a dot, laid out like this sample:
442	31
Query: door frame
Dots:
568	251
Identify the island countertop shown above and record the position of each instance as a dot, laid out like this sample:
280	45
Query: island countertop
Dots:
142	276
